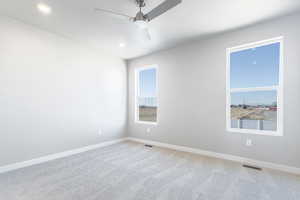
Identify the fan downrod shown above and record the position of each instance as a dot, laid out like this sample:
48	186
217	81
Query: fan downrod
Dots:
140	3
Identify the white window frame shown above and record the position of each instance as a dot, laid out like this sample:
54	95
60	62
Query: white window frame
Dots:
279	89
137	78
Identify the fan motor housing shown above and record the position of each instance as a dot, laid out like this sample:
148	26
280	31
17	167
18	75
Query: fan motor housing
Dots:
140	17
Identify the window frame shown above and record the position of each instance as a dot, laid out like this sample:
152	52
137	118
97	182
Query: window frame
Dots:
278	88
137	87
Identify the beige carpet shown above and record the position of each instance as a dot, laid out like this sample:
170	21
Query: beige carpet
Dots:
129	170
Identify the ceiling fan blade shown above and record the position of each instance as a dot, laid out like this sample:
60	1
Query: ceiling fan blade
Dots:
162	8
114	13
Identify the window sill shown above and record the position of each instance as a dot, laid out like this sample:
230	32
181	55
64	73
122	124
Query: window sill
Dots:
146	123
255	132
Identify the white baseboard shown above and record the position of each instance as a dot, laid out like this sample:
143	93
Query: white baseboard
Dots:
242	160
47	158
44	159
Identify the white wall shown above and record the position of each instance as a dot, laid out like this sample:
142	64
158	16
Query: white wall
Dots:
192	95
55	94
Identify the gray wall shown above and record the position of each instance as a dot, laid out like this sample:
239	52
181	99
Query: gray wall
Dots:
55	94
192	95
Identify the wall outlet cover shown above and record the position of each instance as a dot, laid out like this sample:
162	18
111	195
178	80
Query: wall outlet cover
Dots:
148	130
249	142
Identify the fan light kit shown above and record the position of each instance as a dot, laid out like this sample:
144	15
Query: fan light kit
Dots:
141	24
141	19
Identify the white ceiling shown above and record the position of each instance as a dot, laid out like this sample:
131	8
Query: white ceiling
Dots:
76	19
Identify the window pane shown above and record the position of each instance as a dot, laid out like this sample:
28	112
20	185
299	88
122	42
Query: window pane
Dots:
147	109
254	110
147	83
147	101
255	67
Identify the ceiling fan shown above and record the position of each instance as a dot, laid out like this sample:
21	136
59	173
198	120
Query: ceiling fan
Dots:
141	19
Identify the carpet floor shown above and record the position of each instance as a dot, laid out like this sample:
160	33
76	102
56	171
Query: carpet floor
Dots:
130	171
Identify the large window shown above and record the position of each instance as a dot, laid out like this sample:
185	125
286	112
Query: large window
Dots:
146	95
254	88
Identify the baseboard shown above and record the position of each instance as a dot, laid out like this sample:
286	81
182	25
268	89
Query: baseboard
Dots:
51	157
242	160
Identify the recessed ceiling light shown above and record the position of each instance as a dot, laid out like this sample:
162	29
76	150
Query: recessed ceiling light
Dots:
44	8
122	44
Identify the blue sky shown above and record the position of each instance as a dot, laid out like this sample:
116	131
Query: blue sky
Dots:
257	67
147	81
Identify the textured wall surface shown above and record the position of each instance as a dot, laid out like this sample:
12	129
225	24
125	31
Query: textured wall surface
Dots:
55	94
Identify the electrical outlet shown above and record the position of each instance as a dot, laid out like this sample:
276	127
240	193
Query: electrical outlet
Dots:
148	130
249	142
100	132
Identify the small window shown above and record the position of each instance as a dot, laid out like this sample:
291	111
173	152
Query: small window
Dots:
254	88
146	95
